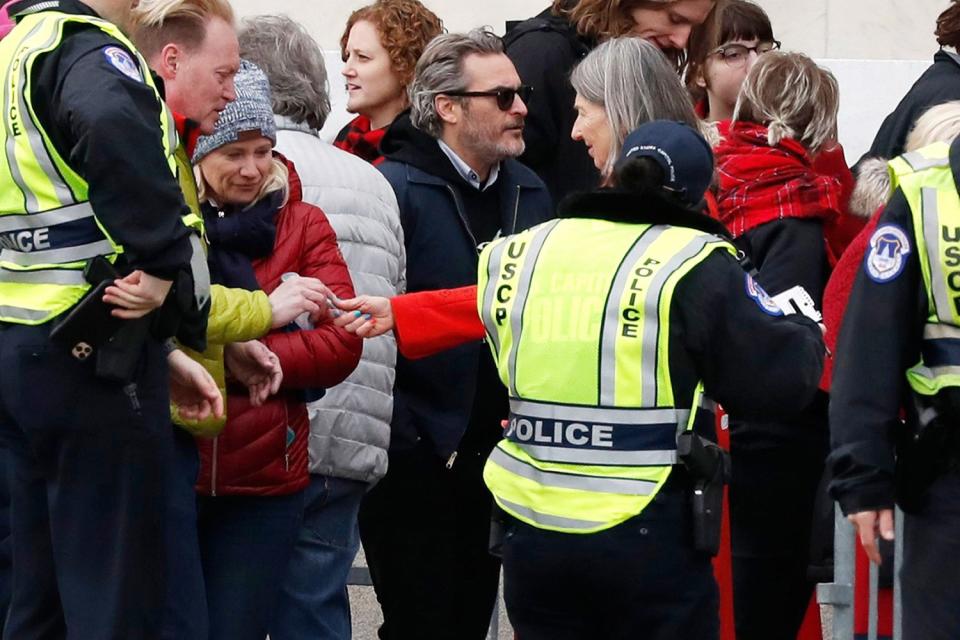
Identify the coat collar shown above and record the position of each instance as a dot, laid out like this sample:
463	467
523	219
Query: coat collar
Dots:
284	123
615	205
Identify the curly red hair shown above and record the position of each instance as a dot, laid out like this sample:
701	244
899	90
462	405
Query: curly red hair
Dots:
405	28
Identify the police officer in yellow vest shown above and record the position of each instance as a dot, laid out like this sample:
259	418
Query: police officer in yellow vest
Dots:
614	328
899	354
87	172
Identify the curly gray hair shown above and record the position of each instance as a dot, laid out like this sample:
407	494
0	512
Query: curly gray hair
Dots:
293	63
440	70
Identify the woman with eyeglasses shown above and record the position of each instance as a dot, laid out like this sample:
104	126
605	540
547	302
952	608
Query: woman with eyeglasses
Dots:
717	71
784	213
380	48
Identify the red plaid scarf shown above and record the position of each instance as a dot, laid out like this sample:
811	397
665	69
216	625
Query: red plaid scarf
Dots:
358	139
760	183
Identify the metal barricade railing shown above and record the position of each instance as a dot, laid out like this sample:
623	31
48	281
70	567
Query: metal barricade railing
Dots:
839	595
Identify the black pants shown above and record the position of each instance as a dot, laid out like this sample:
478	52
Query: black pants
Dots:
425	533
86	485
772	496
640	579
930	576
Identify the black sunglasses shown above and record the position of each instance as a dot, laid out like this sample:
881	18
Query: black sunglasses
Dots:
505	96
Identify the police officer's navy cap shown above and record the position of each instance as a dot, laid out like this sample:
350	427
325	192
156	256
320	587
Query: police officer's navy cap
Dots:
682	153
251	111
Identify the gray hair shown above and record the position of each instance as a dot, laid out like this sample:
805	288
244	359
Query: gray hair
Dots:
294	64
634	83
440	69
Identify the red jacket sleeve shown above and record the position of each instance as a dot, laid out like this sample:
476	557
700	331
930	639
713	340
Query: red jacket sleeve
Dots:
428	322
326	355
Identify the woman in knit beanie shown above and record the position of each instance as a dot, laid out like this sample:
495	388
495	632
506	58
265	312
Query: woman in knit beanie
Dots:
253	475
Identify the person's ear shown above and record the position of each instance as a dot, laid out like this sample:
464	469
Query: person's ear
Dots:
700	78
168	61
448	109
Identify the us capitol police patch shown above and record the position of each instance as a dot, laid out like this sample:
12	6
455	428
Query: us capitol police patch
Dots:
122	61
887	254
762	298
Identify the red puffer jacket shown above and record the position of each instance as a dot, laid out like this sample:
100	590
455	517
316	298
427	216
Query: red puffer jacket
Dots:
263	450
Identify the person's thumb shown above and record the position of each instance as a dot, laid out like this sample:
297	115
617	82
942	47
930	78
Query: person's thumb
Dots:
886	524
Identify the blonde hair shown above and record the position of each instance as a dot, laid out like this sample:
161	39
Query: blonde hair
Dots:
277	180
158	23
793	97
940	123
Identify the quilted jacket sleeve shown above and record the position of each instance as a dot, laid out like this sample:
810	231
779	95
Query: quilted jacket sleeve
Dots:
237	315
326	355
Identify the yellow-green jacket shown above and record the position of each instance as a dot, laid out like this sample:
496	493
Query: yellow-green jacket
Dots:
236	315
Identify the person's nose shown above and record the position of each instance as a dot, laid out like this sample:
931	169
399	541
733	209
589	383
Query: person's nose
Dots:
248	169
519	107
680	36
230	90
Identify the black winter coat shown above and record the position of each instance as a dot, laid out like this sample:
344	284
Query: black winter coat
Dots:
545	49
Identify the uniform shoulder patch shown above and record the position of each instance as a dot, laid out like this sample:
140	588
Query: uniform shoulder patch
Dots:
123	62
887	253
762	298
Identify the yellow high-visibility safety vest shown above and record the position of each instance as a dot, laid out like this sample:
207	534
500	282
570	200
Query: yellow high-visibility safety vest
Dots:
577	316
927	182
48	230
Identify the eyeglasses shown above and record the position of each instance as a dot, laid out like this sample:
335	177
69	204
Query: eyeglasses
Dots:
736	55
505	95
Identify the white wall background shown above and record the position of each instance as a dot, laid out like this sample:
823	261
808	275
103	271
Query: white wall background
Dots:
876	48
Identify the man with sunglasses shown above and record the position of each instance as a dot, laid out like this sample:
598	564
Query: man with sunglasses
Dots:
451	162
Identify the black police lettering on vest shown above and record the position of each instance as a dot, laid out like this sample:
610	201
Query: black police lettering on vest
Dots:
631	314
514	252
952	262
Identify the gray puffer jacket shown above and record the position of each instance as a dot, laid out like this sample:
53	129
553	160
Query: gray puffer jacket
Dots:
350	425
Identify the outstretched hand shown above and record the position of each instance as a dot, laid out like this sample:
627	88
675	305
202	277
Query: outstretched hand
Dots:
255	367
366	316
192	389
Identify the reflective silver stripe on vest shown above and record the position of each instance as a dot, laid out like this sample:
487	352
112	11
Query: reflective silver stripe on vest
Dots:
548	520
200	271
18	313
523	290
935	372
597	484
598	415
611	314
35	138
918	162
63	215
494	264
69	277
651	319
931	235
568	455
941	332
57	256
